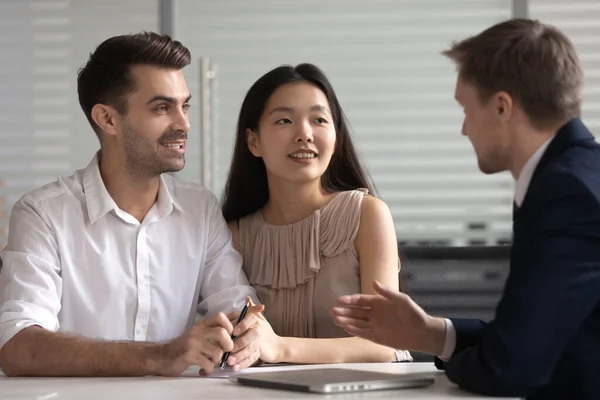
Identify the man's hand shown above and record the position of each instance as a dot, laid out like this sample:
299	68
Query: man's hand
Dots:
203	345
392	319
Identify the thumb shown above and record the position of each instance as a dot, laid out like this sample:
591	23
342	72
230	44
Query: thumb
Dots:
255	309
385	291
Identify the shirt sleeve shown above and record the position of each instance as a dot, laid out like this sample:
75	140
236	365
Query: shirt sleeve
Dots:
224	285
30	281
450	342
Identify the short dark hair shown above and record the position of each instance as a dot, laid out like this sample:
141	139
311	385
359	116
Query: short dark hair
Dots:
106	77
246	190
533	62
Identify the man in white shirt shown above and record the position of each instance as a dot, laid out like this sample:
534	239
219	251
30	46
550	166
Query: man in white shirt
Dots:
105	270
519	84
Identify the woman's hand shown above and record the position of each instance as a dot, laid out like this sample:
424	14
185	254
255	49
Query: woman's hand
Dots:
270	344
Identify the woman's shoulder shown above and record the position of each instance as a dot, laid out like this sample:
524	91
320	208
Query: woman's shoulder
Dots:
341	220
373	209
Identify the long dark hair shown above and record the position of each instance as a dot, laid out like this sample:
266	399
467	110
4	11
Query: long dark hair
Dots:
246	190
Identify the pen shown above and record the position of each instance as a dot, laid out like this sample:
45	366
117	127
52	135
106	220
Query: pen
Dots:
223	362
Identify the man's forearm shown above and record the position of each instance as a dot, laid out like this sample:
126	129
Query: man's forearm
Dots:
37	352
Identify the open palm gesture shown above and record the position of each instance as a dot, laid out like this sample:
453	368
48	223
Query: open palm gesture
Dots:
390	318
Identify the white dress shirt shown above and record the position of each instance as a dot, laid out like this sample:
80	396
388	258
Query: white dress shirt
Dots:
520	191
75	262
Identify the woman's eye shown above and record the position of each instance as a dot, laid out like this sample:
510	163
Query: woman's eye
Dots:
321	121
283	121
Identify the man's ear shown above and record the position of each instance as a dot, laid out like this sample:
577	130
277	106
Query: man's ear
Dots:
503	105
253	142
105	118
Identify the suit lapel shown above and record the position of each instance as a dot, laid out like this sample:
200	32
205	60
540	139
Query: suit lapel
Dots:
568	135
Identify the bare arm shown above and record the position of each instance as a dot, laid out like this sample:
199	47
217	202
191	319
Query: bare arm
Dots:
332	351
377	251
35	351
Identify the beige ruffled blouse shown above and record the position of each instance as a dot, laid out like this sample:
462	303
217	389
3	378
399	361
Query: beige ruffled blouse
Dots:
300	270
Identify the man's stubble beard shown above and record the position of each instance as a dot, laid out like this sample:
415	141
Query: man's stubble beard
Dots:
141	156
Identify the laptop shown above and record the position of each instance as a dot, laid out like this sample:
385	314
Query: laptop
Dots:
334	380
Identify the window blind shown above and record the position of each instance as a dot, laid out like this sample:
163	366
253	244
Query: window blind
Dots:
580	21
383	59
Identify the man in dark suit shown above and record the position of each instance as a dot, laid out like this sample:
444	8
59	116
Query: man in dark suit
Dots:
519	83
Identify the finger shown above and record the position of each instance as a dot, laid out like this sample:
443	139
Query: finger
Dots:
259	313
254	308
220	337
193	355
243	341
257	310
245	324
219	320
351	312
212	352
359	332
386	292
203	362
245	350
358	300
242	362
345	321
233	316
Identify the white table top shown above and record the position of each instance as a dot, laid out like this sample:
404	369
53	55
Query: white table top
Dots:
191	386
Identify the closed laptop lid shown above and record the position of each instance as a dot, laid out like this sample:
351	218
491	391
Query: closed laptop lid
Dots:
332	380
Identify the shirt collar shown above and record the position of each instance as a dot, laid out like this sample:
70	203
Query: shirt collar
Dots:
99	202
527	172
166	200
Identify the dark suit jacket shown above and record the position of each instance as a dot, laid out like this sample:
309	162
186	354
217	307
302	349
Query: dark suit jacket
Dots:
544	342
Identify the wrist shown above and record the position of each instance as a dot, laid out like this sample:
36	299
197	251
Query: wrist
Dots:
434	336
156	358
283	350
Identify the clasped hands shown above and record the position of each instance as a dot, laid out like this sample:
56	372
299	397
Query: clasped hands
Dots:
205	343
389	318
